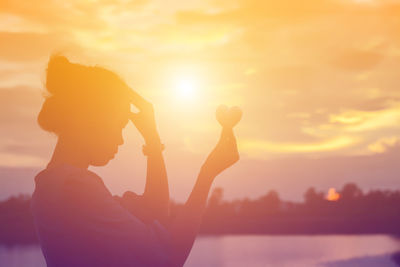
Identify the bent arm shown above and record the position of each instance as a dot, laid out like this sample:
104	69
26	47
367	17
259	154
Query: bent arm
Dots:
154	203
156	193
155	199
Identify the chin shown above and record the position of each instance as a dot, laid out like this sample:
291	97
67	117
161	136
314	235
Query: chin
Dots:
101	162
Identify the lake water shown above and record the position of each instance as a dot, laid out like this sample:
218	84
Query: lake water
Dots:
252	250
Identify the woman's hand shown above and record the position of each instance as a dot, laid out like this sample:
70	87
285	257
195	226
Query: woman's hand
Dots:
224	155
145	122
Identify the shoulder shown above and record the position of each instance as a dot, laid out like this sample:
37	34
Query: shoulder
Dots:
66	175
68	183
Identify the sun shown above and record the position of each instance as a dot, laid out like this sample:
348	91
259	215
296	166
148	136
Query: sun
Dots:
186	88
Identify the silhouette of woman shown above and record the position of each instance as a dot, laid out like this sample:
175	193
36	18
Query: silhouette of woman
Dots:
78	221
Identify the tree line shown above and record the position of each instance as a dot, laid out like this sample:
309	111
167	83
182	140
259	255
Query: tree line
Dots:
352	212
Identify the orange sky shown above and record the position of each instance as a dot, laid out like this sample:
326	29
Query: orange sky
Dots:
317	80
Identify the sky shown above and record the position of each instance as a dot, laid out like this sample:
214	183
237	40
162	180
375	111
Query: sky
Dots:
317	80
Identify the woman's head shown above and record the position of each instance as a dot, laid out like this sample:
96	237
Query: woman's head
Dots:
86	106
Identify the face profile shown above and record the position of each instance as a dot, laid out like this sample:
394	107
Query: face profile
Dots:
104	136
87	108
103	144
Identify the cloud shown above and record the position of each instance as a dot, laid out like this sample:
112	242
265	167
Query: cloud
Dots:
28	46
257	146
22	143
15	23
19	102
354	59
362	121
55	15
21	161
292	175
248	12
383	144
314	78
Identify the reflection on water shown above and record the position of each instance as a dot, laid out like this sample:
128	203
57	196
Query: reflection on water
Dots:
21	256
232	251
332	250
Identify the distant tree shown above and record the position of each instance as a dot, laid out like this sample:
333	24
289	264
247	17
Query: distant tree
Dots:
350	191
375	211
216	197
215	213
313	197
271	201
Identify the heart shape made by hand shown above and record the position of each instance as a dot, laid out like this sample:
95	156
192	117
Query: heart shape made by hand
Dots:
228	117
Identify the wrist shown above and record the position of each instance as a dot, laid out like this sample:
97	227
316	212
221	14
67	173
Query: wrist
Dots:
206	174
153	148
152	139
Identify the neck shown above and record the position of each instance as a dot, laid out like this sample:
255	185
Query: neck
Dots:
68	153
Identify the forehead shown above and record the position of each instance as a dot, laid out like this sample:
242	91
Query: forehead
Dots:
118	114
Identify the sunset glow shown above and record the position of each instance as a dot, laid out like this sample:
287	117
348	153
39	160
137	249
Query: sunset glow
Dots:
199	133
332	195
318	83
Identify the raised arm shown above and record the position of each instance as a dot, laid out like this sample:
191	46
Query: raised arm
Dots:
186	225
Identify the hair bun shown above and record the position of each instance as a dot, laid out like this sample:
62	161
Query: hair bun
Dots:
58	70
58	60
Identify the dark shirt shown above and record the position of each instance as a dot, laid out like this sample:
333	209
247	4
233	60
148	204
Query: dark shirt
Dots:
79	223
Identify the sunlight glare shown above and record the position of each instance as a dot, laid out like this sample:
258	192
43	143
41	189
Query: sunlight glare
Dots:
186	88
333	195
